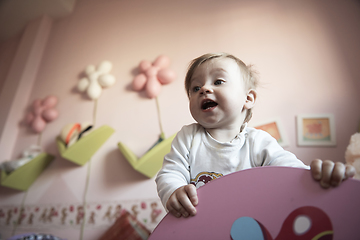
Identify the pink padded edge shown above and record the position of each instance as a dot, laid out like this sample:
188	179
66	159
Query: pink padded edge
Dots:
268	194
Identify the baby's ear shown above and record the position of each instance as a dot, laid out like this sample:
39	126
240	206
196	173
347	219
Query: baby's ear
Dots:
250	99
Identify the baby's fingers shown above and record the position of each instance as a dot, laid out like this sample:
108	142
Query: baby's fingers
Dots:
182	201
191	192
349	171
316	166
330	173
175	209
322	171
327	170
188	200
338	174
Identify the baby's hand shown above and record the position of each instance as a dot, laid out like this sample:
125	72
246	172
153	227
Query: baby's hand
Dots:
330	173
183	201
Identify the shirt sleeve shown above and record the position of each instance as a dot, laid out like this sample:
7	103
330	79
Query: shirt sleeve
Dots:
175	170
267	152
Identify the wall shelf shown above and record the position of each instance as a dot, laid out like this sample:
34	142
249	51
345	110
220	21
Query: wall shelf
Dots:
151	162
81	151
24	176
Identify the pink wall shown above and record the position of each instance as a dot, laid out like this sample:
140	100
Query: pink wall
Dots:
307	54
7	52
20	80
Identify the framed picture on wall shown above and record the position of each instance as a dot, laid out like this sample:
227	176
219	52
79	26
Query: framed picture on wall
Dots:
275	128
316	130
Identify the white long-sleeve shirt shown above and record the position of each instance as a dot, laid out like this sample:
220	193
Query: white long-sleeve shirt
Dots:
197	158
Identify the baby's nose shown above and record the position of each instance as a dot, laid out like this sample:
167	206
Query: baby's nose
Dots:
206	89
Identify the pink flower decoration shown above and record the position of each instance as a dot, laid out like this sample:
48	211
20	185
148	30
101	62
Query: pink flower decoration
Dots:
41	113
153	75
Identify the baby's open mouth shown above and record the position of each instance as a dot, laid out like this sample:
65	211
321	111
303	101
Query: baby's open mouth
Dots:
207	104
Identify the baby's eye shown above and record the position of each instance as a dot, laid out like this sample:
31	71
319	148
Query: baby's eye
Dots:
195	89
218	82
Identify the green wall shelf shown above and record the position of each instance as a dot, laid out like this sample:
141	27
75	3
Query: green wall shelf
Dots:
81	151
151	162
24	176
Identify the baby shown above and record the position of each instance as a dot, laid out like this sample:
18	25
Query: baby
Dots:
222	92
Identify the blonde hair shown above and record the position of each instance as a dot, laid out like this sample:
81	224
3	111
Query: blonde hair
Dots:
249	75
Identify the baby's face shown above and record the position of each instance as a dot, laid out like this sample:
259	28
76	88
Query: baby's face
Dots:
218	94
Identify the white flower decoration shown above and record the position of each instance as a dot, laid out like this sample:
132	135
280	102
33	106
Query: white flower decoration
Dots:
96	79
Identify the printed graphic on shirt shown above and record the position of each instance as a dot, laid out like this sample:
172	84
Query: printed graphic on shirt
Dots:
204	177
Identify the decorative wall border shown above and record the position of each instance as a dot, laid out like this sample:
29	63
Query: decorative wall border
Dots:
63	216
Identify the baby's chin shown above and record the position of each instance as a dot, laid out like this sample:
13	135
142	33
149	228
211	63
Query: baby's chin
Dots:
211	122
209	126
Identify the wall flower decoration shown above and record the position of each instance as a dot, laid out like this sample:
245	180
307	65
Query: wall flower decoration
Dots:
42	112
96	79
153	75
150	78
24	171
